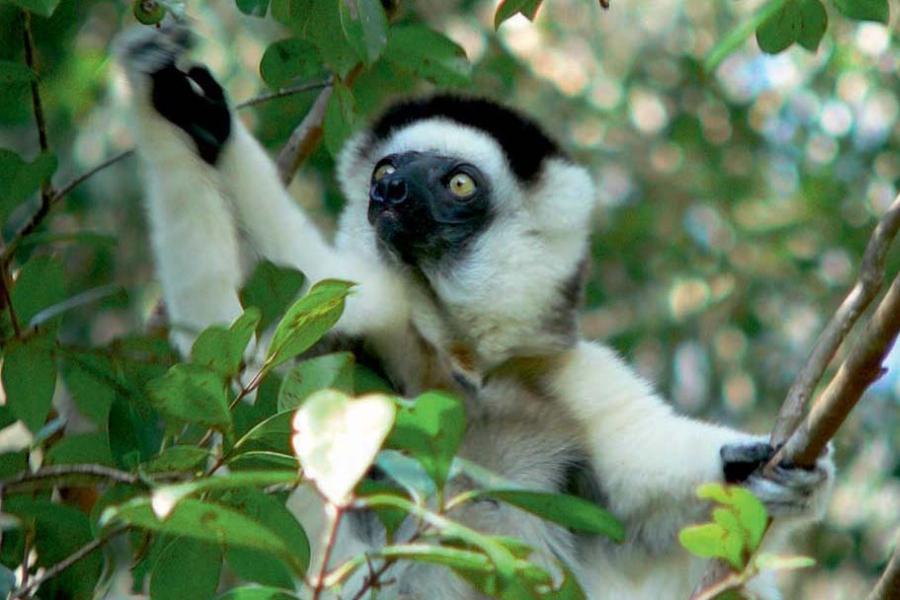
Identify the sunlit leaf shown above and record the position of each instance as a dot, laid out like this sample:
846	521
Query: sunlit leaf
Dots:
776	562
336	439
750	513
711	540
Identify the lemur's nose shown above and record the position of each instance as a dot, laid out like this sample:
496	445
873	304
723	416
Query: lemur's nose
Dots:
391	189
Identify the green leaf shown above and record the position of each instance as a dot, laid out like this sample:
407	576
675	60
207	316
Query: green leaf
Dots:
407	472
43	8
81	448
21	179
711	540
222	350
307	320
431	430
177	458
39	284
271	289
781	29
254	8
340	118
336	439
864	10
508	8
257	593
287	60
365	27
813	23
739	34
570	511
59	531
92	380
428	54
135	432
293	13
323	28
12	72
775	562
749	512
333	371
204	521
192	394
186	568
275	516
29	379
274	432
165	498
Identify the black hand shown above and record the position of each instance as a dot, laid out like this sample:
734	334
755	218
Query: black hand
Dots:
203	115
739	461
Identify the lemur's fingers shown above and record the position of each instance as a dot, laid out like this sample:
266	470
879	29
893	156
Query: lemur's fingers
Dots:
147	50
739	461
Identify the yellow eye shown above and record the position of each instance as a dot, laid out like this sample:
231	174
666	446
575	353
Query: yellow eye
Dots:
380	172
461	185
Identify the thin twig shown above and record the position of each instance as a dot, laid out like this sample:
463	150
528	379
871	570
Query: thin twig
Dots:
283	93
319	583
64	190
871	277
54	570
888	586
6	299
35	92
61	473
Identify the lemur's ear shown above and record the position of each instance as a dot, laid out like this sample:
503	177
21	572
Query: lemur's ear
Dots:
563	199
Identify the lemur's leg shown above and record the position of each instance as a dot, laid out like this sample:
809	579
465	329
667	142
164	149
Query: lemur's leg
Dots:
650	459
179	125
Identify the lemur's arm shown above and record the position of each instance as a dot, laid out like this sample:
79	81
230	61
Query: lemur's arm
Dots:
191	228
207	178
650	460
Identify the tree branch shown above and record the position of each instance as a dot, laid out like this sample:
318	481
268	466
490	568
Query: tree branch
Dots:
60	474
283	93
888	586
304	139
861	369
871	276
54	570
804	439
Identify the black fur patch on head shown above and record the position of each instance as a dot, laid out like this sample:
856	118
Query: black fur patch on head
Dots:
523	142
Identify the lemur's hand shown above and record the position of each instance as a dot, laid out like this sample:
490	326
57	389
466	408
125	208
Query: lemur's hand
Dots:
191	99
788	490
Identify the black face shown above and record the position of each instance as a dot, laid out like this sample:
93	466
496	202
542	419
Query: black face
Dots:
426	207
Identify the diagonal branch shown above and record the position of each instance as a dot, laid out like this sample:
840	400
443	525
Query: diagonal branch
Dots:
888	586
304	139
871	277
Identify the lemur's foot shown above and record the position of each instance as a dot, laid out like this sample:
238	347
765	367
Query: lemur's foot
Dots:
786	491
188	97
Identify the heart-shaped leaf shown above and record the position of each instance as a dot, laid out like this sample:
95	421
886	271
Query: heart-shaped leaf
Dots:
336	439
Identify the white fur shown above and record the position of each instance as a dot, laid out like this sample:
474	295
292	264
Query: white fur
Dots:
648	459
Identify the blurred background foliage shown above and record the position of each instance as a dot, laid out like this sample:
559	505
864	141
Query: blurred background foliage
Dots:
733	205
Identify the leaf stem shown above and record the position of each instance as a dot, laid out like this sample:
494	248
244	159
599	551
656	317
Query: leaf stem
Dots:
319	583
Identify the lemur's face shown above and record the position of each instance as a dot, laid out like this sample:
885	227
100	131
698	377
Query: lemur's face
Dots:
426	207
